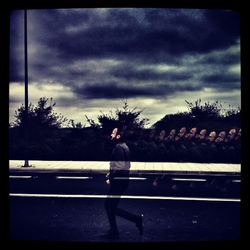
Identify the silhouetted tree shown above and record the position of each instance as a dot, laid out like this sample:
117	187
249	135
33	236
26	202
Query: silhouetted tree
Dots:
79	142
125	116
233	116
40	116
78	125
207	111
171	121
208	115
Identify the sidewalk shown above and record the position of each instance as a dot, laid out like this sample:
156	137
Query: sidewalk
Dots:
136	167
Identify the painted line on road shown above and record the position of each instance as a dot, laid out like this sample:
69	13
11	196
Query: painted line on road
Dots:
123	197
187	179
20	176
74	177
130	178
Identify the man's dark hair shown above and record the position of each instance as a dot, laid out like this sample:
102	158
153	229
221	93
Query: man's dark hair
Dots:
122	131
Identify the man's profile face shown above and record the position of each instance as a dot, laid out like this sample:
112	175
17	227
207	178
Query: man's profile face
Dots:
114	134
221	137
239	133
193	131
212	136
203	133
182	131
231	134
162	134
172	132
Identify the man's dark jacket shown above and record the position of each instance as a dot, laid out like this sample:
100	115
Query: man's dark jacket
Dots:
120	160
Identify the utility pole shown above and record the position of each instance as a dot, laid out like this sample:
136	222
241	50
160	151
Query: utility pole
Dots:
26	160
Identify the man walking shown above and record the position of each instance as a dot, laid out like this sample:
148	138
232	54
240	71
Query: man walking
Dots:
118	179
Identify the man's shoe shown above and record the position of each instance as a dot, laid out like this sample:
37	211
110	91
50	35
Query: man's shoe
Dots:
139	224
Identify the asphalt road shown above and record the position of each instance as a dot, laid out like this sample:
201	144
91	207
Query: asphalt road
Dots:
66	208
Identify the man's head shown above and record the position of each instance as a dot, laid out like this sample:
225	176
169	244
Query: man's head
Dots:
238	136
115	134
192	133
118	133
239	132
172	132
202	134
171	135
182	132
162	135
212	136
231	134
221	137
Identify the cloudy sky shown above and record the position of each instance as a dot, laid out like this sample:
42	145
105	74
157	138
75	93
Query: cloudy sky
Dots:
91	60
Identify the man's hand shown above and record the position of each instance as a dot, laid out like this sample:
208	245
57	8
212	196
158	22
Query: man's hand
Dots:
107	178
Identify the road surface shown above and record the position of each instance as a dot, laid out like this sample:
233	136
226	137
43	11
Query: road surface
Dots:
177	208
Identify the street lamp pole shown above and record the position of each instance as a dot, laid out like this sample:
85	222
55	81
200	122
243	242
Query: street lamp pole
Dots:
26	161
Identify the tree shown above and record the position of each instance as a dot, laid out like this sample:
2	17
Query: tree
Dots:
125	116
208	115
77	125
171	121
41	116
205	112
233	116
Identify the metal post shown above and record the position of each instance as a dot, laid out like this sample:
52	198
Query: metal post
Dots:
26	161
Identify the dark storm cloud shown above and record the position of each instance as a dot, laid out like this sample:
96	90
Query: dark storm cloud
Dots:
121	34
136	37
221	78
113	90
130	73
221	81
16	73
56	72
16	70
227	59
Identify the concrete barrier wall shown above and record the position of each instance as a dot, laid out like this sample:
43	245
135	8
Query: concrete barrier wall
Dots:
136	167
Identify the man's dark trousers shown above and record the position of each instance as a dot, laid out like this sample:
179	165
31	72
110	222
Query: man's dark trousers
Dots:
117	188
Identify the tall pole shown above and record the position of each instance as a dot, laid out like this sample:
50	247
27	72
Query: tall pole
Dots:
26	160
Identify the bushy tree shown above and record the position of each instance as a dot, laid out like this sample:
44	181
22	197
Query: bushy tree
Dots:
206	111
124	116
209	115
41	116
77	125
233	116
171	121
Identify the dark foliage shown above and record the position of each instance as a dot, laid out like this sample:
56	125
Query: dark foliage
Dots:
211	116
41	116
48	140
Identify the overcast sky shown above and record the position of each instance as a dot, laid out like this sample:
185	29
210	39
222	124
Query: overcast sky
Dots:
91	60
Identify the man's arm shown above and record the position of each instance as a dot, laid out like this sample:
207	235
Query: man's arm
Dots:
117	160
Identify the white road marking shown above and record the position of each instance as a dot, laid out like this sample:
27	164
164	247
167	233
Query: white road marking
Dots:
20	176
130	178
74	177
187	179
236	180
123	197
